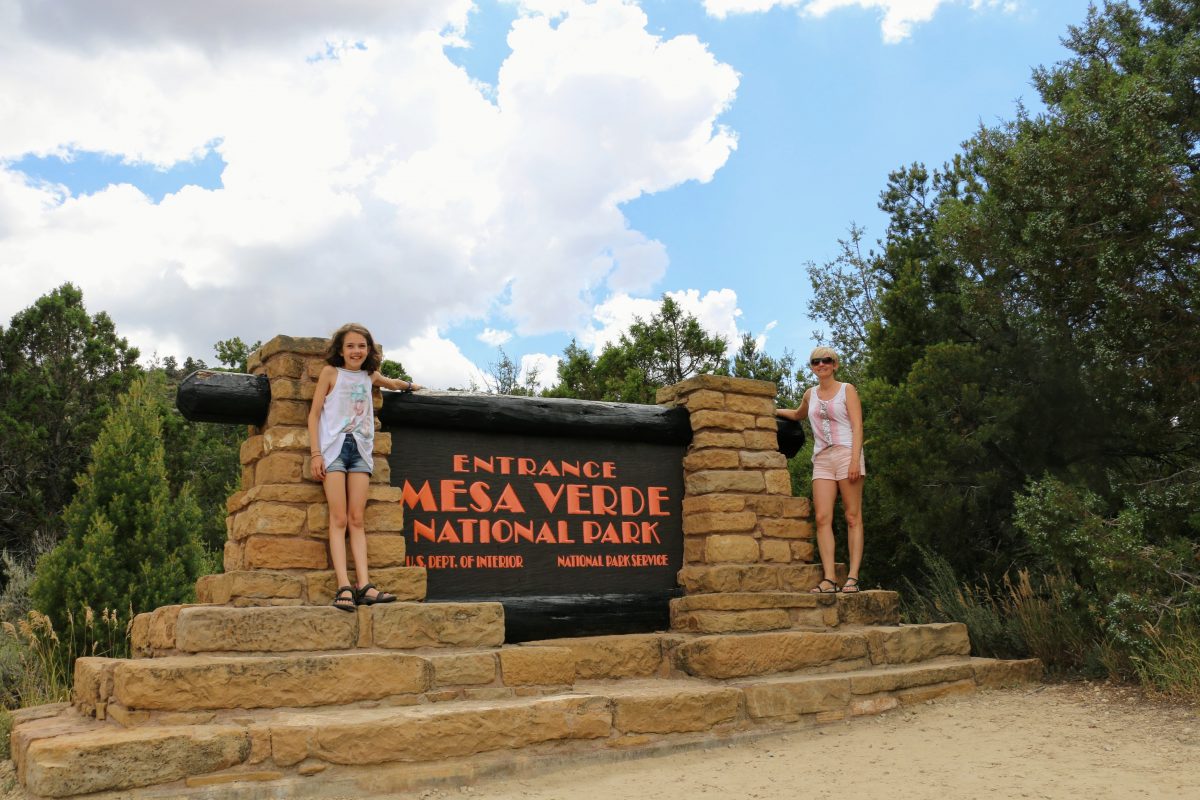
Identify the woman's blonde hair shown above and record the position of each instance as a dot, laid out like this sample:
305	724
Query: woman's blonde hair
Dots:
824	352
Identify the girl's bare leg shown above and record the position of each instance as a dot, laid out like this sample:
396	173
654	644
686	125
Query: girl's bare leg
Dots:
357	484
824	495
335	496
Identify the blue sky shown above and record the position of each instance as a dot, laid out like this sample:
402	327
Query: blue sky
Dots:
484	174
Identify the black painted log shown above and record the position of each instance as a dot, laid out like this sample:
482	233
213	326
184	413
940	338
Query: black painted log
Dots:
232	398
238	399
557	616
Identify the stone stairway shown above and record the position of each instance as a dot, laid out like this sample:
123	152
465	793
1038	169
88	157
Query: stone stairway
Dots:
308	701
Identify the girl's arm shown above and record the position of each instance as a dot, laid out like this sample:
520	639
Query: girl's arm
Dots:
324	384
854	409
398	384
798	413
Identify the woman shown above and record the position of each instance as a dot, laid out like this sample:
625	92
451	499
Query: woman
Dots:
835	414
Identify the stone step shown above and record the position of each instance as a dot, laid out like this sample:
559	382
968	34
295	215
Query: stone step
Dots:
263	587
170	690
853	647
355	751
766	611
176	630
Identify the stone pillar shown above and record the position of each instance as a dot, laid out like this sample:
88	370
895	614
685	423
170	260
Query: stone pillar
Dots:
743	529
277	551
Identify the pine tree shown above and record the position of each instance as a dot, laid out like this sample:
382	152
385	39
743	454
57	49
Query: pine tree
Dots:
129	546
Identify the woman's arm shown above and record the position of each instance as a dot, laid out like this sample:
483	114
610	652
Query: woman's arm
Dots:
854	409
324	384
798	413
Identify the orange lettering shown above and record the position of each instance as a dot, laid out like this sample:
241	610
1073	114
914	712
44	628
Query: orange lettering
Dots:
509	501
460	463
424	497
549	498
479	497
658	498
450	492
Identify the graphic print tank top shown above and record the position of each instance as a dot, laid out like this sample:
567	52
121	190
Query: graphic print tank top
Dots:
348	409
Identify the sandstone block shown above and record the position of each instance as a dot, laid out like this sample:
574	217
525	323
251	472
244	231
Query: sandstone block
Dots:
760	439
216	682
411	625
261	517
873	607
283	437
721	420
803	552
666	396
285	365
265	584
247	481
280	467
921	694
751	600
237	501
251	450
317	519
787	528
93	682
889	680
693	550
309	346
290	389
675	711
729	578
864	706
114	759
735	549
383	444
537	666
757	405
724	481
287	412
724	657
288	493
384	517
202	629
762	459
911	643
704	398
441	731
730	621
779	481
715	504
212	589
802	577
160	635
285	552
383	550
718	383
234	556
775	551
788	699
719	522
463	669
996	674
407	583
612	657
713	458
716	438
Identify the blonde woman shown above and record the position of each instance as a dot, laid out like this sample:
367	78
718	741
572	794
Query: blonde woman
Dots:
835	414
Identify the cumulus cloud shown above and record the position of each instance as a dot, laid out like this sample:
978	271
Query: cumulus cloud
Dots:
897	17
493	337
716	310
367	176
436	362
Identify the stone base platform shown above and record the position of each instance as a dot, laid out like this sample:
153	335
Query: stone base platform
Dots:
366	719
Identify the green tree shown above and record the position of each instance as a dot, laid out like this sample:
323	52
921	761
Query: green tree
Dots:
234	353
394	369
61	369
128	546
504	377
667	348
845	293
751	362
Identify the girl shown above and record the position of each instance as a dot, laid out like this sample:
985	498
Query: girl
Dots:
835	413
341	431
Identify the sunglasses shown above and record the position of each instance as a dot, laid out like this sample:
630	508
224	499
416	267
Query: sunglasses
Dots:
822	360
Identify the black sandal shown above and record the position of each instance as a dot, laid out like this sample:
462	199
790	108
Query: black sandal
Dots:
345	603
849	588
363	599
820	587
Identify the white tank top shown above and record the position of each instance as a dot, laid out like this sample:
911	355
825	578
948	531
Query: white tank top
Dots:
348	409
830	420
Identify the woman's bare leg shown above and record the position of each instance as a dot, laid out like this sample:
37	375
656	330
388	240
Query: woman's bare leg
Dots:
852	492
335	496
824	495
357	485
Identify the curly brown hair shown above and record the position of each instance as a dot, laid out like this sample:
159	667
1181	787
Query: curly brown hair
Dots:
333	355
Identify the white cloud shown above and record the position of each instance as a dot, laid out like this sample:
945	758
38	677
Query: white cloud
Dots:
436	362
546	367
376	183
717	311
494	337
897	16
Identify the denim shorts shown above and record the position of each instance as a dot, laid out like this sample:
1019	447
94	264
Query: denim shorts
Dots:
349	460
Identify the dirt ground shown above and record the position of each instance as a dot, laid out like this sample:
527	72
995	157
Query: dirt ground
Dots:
1052	741
1077	740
